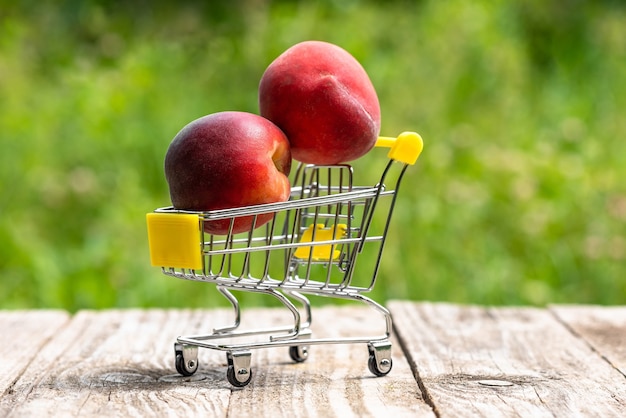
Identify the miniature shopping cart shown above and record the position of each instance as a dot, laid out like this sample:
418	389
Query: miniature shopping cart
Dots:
326	240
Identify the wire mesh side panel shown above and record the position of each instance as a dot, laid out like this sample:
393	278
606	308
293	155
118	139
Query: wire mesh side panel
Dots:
263	256
354	259
310	242
248	259
322	265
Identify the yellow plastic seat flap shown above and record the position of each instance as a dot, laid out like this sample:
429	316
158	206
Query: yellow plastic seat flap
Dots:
321	252
175	240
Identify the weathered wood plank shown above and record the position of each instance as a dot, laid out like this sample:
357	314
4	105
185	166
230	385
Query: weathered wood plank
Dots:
119	363
23	335
334	381
603	327
477	361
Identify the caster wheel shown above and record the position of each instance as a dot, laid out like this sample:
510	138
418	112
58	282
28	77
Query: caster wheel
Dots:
299	353
185	369
238	378
381	369
186	360
379	361
239	373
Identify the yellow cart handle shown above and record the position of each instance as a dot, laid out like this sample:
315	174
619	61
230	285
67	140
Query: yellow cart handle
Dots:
406	148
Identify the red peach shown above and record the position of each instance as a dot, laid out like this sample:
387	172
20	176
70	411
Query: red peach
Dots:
323	100
228	160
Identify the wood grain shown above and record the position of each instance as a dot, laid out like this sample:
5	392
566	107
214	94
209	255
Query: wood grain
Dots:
479	361
23	334
334	381
603	327
120	363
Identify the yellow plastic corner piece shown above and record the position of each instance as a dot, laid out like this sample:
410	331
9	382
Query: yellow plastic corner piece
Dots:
174	240
406	148
321	252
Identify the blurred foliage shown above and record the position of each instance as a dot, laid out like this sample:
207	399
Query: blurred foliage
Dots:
518	197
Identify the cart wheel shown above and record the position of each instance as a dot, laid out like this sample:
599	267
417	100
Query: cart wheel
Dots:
379	369
184	369
239	373
232	375
379	361
186	365
299	353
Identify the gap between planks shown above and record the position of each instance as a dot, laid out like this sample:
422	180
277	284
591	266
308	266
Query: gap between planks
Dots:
515	361
470	360
120	363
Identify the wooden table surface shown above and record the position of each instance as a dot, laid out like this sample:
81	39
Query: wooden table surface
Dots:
448	361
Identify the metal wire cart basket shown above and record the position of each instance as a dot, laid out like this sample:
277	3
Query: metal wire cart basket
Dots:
326	240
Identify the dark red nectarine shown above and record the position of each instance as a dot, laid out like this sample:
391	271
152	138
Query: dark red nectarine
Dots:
323	100
228	160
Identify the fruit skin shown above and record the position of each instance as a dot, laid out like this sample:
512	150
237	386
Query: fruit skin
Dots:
227	160
323	100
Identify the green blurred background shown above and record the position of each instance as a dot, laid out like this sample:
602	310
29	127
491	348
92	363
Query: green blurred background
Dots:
518	198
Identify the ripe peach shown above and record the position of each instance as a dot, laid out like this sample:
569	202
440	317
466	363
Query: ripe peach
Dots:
228	160
323	100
